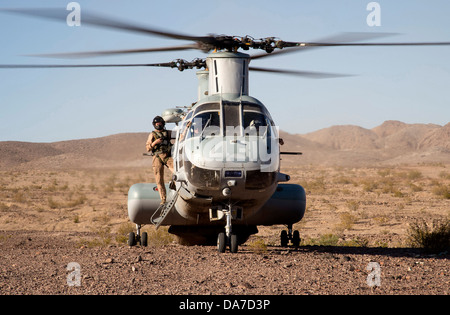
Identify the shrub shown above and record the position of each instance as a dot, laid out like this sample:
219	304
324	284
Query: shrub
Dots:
346	221
414	175
442	191
432	239
258	246
327	240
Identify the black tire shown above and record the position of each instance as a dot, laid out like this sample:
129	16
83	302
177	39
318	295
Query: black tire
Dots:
221	242
296	239
233	243
284	238
144	239
131	239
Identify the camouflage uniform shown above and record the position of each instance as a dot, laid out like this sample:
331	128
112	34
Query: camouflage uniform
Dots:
161	157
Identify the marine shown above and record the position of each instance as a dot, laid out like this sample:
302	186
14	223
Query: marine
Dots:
160	145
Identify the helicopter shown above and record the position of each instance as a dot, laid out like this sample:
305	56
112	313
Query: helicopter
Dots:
226	150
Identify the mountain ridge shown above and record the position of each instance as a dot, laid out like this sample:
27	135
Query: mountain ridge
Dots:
393	142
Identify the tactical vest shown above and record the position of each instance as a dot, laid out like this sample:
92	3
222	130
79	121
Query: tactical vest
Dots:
165	146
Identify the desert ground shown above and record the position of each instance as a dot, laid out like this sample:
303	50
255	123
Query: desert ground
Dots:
374	206
56	209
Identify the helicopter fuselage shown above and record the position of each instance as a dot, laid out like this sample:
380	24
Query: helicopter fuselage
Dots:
226	157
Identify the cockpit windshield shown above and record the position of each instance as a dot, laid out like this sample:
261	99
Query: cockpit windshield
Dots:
228	119
228	132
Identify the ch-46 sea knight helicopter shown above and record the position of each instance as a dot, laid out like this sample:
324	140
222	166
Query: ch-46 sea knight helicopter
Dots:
226	152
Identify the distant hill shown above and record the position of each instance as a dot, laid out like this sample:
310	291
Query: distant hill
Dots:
117	150
393	142
345	138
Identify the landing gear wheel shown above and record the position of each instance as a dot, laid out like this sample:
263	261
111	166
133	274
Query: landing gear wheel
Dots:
131	239
287	236
233	243
284	238
221	242
144	239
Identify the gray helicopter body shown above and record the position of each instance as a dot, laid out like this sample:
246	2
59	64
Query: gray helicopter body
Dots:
226	161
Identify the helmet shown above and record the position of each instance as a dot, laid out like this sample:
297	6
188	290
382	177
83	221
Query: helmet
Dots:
158	119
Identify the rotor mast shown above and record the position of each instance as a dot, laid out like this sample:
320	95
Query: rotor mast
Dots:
227	74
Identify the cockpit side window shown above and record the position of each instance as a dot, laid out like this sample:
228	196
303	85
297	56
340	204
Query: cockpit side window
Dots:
185	126
252	123
205	124
255	124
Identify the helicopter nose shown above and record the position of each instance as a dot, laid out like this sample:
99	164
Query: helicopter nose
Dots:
233	153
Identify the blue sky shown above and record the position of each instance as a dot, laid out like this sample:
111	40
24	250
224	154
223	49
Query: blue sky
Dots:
411	84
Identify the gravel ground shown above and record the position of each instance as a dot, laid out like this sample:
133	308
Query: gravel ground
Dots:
37	263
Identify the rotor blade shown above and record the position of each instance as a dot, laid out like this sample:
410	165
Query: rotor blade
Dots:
377	44
345	40
98	20
86	54
345	37
308	74
317	45
34	66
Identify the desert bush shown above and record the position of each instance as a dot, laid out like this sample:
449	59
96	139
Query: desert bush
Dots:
19	196
433	239
415	188
160	237
344	181
3	207
369	185
353	205
356	242
441	190
102	238
387	185
381	219
384	172
316	186
53	204
324	240
73	202
258	246
414	175
123	231
347	220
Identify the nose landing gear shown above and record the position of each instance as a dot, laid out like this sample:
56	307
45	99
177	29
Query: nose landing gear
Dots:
223	241
227	237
